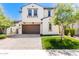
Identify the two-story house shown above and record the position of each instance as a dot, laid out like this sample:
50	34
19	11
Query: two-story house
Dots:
35	20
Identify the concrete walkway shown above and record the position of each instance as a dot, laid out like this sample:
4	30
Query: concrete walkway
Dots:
21	42
77	37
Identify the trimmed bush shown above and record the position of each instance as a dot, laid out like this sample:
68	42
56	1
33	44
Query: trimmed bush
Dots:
66	31
72	32
54	42
2	36
69	30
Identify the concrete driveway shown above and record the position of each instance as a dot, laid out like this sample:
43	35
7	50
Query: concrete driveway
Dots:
21	42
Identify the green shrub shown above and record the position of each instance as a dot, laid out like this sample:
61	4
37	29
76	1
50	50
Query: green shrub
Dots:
46	43
72	32
54	42
69	30
66	31
2	36
1	33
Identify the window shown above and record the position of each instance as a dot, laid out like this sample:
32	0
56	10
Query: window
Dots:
49	13
29	12
32	12
50	26
35	12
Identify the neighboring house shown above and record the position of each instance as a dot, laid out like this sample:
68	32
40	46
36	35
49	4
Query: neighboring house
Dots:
35	20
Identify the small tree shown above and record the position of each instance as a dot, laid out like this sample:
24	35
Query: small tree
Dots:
62	16
4	22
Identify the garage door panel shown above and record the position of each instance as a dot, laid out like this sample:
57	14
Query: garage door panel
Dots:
31	29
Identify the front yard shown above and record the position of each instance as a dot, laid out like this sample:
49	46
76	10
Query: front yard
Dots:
54	42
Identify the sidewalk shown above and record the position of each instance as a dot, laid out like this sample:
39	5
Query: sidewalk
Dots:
43	52
76	37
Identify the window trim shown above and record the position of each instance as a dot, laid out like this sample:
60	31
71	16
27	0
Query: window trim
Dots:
34	12
28	13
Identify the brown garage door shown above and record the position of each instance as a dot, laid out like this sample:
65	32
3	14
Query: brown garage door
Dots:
31	29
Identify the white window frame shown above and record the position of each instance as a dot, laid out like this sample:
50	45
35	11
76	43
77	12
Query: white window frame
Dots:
33	12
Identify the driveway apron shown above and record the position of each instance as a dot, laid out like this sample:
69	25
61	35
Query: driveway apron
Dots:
31	41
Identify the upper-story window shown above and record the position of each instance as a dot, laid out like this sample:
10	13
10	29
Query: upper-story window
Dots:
35	12
32	12
49	13
29	12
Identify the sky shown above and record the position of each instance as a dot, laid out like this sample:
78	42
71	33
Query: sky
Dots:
12	9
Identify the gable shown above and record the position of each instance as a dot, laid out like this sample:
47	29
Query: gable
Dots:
32	5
